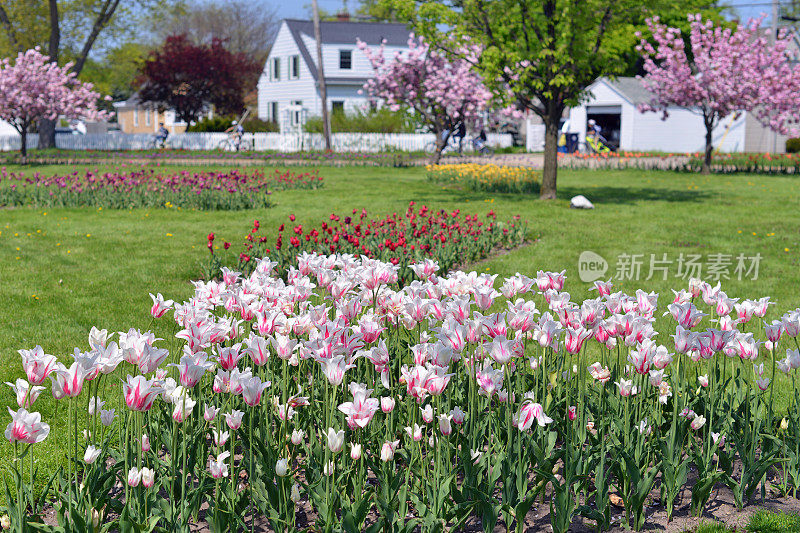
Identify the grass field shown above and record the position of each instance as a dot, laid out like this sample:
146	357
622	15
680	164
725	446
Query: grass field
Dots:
63	271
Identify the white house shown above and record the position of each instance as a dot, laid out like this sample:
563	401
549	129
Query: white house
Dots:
7	129
288	86
612	104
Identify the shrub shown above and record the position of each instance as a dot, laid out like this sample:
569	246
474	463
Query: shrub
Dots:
218	124
793	145
377	121
256	125
488	178
211	125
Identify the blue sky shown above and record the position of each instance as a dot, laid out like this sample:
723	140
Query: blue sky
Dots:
301	8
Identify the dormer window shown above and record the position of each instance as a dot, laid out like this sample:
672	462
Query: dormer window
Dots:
345	59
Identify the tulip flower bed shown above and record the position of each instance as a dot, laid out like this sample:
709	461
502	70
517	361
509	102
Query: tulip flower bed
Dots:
749	163
401	239
147	188
383	408
380	159
487	178
722	163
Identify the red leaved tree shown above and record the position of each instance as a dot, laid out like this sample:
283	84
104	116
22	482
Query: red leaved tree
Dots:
188	78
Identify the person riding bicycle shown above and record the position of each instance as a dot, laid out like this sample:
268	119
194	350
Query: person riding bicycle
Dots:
480	141
236	131
459	134
161	135
594	129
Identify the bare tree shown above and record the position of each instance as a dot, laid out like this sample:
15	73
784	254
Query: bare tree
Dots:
245	26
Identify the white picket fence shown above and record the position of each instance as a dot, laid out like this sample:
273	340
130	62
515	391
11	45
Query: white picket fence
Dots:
279	142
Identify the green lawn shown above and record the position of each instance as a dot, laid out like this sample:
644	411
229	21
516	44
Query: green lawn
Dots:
63	271
762	521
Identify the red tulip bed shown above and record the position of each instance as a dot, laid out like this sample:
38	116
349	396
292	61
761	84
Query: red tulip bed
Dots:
449	238
336	398
147	188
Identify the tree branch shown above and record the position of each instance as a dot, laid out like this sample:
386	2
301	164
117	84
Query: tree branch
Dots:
601	29
523	7
103	18
12	35
55	32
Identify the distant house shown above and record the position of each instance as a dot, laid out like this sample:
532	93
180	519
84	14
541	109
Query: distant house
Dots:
288	88
612	103
136	117
7	129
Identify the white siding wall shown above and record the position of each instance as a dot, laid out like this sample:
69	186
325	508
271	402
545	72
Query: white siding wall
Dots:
285	91
761	139
361	67
7	129
349	95
683	131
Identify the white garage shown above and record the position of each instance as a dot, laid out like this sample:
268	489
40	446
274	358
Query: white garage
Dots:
612	103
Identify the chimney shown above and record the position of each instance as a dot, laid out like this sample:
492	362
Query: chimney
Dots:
343	16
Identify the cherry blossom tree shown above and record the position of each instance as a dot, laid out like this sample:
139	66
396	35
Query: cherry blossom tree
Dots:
444	92
34	88
725	72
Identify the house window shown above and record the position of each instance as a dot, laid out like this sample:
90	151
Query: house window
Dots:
337	106
147	117
136	116
294	67
296	113
273	112
345	59
275	69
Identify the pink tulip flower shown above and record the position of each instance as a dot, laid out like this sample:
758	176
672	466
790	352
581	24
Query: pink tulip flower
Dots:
160	306
140	393
26	427
37	365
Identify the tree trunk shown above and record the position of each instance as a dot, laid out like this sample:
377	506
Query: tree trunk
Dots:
441	143
709	150
550	170
24	148
47	127
47	133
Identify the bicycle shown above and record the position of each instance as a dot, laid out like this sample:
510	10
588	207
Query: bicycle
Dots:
230	145
451	146
158	143
482	148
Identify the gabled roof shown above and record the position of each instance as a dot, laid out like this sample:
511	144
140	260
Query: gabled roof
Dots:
631	89
132	101
336	32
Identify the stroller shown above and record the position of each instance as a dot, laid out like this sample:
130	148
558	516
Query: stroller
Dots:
598	144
